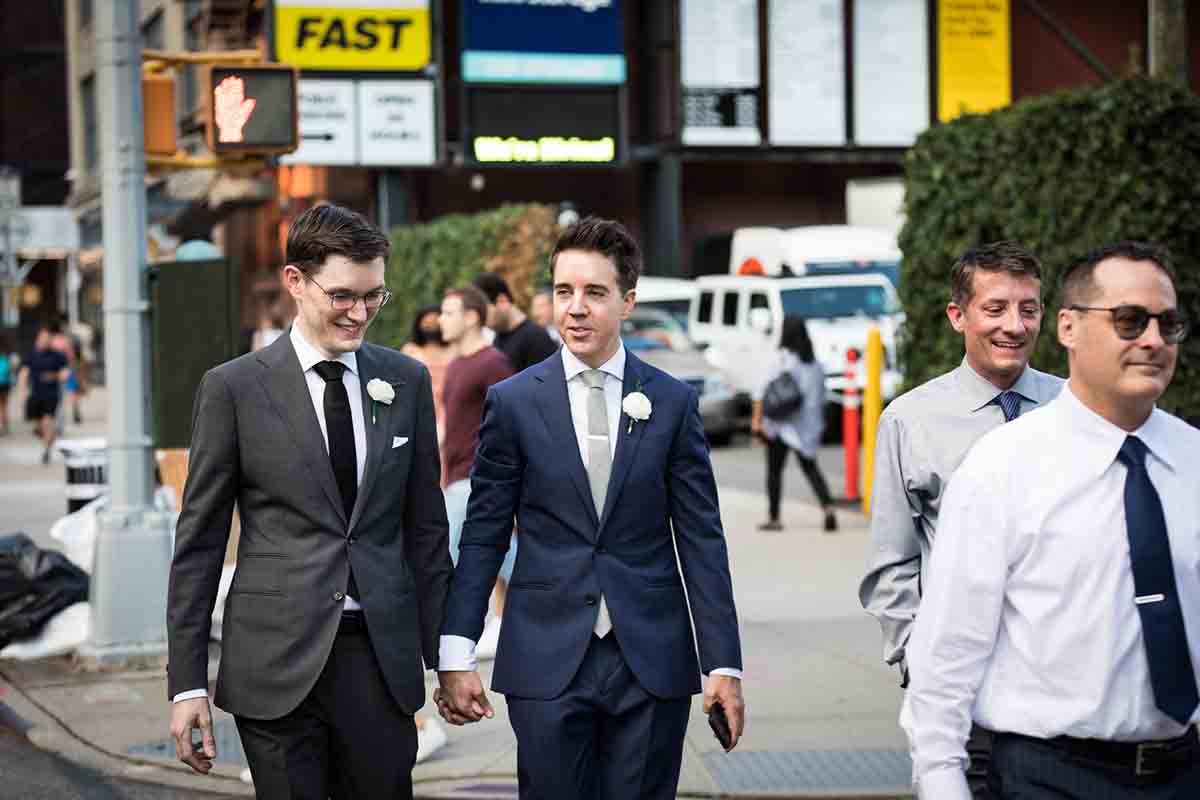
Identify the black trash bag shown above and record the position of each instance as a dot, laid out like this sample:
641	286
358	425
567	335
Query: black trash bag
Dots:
35	585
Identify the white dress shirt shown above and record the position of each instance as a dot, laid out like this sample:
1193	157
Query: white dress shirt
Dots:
1028	622
309	356
457	653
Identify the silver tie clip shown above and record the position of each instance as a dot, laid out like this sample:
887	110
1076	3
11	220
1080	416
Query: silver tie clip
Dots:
1149	598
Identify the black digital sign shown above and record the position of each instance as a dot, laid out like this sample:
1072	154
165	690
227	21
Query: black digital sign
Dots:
543	125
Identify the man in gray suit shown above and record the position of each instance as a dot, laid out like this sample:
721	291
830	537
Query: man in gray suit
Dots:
328	447
996	304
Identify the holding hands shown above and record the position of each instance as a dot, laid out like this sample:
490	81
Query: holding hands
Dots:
461	698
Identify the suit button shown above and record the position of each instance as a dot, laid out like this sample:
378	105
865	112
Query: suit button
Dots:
339	596
590	599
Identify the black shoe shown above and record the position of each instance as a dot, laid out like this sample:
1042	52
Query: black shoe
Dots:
771	525
46	456
830	522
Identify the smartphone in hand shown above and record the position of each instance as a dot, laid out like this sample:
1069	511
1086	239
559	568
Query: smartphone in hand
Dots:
720	726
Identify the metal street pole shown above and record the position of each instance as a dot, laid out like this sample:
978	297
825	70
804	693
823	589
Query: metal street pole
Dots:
133	551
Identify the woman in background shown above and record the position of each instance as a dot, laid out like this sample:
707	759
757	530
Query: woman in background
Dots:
426	345
800	431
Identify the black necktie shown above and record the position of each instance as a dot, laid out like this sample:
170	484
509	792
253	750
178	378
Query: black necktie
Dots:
1010	404
1171	673
340	429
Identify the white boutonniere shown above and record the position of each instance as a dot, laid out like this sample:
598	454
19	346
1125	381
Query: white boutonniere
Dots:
381	392
636	406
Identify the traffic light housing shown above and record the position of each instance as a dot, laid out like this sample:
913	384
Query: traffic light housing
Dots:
251	109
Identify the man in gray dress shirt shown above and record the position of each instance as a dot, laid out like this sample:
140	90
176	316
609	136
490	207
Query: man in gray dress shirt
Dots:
996	304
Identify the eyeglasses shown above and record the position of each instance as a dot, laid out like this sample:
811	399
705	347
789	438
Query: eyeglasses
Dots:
344	301
1131	322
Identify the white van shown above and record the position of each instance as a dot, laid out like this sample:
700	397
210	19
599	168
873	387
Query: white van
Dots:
815	250
740	319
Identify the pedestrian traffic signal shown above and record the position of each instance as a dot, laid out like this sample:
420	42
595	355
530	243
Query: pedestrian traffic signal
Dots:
251	109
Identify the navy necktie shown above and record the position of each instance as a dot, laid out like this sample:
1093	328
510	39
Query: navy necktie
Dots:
1171	673
1010	404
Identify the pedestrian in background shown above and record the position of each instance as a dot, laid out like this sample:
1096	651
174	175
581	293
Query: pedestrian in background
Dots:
1062	606
798	430
476	368
541	311
270	328
427	345
522	340
43	374
996	304
6	379
66	344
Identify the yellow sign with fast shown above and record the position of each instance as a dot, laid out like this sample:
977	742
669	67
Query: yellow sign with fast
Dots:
339	37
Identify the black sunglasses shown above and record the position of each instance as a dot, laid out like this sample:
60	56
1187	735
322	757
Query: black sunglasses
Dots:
1131	322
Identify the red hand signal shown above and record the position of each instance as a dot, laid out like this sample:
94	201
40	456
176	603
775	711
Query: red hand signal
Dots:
232	109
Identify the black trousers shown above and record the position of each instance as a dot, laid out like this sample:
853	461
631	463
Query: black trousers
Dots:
777	453
603	738
347	740
1028	769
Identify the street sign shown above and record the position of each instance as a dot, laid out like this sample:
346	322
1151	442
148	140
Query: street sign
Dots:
396	124
377	35
43	231
250	109
328	124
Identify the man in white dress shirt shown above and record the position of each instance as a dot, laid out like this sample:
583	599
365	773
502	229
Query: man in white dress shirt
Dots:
1062	609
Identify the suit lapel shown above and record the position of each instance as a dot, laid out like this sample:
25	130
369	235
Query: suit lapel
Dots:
288	393
555	407
636	378
378	430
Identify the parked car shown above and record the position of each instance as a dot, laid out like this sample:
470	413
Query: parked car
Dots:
718	398
672	295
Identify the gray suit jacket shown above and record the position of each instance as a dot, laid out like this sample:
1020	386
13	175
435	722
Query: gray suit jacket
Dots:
256	442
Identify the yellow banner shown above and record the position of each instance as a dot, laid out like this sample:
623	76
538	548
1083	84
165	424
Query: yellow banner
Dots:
353	38
974	56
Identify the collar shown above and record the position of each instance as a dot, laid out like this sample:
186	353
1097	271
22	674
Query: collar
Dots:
615	366
309	355
1154	432
980	392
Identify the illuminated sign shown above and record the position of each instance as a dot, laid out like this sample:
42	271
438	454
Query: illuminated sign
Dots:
543	41
380	35
251	109
543	125
548	149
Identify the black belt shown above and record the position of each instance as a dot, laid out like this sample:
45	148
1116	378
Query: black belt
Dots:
1143	759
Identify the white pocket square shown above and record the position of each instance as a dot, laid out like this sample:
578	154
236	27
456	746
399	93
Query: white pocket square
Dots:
399	441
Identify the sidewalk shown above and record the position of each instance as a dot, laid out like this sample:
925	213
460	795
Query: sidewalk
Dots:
821	706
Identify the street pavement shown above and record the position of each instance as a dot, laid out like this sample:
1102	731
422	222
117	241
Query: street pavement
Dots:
821	705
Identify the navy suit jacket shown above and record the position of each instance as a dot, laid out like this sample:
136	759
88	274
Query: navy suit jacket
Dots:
528	465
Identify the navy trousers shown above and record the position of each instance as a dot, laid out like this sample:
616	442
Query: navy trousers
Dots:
603	738
1028	769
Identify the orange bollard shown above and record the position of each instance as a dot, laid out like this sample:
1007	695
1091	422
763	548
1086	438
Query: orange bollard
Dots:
850	424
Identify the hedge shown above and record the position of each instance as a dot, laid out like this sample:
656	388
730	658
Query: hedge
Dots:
1061	173
429	258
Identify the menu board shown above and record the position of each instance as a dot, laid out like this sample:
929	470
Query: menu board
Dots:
807	63
891	72
719	72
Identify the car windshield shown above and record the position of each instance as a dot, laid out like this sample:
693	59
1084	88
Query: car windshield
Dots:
836	301
678	309
889	269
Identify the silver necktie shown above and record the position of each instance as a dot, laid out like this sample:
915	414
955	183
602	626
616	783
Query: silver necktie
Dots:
599	465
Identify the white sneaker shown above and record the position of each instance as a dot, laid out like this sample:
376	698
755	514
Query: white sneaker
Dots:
489	640
431	737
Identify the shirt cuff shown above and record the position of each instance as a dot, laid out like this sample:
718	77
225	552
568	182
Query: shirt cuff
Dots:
730	671
943	783
190	694
456	654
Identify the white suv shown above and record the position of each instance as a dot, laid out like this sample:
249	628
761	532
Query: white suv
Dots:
740	319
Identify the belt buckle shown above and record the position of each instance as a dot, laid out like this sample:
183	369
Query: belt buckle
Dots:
1146	752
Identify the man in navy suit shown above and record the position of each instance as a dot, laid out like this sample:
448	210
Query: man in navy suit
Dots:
603	461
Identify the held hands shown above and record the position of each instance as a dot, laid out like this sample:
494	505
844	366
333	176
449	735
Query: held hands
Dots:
461	698
186	716
727	691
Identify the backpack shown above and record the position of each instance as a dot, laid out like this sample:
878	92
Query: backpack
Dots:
782	398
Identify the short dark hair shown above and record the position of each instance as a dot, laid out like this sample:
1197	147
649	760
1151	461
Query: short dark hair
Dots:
330	230
492	285
1078	281
609	238
473	299
418	336
1007	255
795	338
